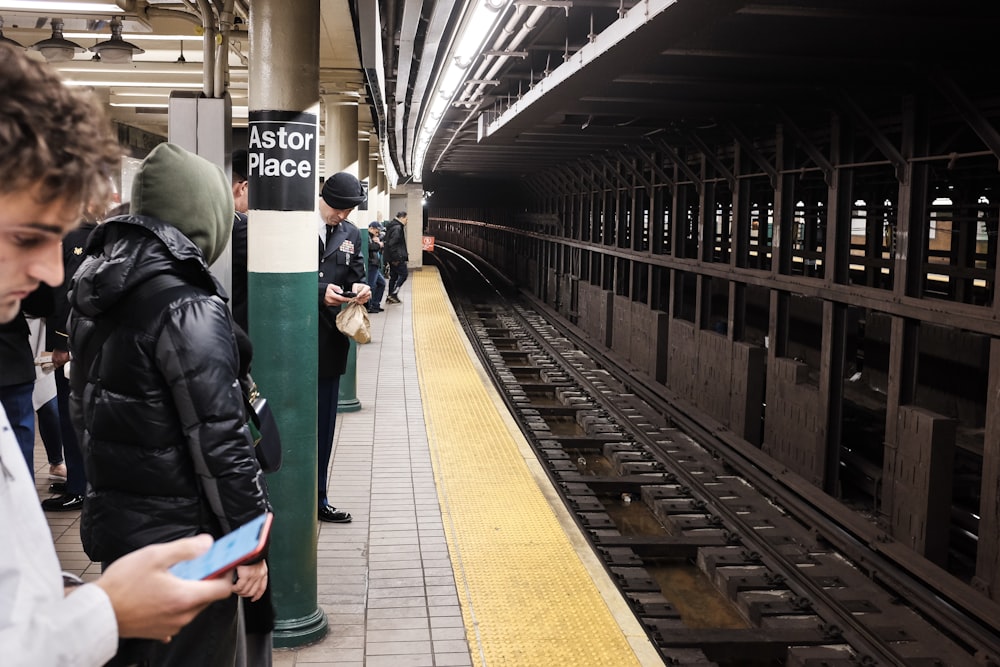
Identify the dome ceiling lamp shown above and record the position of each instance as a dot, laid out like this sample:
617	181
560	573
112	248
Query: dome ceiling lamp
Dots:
116	49
56	48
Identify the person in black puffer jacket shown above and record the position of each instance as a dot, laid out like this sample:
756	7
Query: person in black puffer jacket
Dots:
154	390
396	254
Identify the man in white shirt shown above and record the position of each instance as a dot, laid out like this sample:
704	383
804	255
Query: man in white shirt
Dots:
56	155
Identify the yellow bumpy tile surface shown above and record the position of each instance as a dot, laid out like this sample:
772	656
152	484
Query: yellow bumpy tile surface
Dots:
526	597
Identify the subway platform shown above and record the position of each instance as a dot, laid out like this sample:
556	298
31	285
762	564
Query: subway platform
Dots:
460	552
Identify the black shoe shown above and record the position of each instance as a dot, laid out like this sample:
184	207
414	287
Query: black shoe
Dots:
332	515
64	503
57	487
392	298
373	311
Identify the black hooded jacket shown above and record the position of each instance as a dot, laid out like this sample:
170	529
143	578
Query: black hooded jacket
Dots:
155	396
394	248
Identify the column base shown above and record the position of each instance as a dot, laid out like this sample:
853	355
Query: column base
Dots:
348	405
297	632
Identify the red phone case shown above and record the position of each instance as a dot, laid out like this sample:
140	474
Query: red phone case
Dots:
262	536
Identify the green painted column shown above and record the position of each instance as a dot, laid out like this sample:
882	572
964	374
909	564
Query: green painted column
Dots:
347	398
341	154
282	265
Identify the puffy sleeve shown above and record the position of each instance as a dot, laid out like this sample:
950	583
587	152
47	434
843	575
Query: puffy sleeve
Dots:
197	355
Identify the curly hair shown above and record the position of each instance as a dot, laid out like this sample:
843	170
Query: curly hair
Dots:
51	136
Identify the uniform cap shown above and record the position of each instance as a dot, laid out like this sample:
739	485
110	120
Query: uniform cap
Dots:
342	191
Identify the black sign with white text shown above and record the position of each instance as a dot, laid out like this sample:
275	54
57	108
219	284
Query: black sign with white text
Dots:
281	160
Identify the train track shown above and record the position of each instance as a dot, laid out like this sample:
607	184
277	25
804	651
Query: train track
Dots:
808	590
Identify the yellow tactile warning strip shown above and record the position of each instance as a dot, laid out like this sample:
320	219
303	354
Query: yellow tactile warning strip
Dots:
527	598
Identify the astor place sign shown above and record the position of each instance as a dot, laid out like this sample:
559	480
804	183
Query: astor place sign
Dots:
281	160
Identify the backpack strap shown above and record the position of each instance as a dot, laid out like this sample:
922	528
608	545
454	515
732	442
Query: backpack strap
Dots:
150	297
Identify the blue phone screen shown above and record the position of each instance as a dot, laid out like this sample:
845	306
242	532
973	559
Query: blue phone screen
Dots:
226	550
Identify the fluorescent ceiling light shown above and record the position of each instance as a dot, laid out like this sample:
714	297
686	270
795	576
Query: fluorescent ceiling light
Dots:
146	37
234	90
134	84
111	69
480	21
61	7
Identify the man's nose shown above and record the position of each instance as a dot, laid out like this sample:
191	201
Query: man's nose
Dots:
48	266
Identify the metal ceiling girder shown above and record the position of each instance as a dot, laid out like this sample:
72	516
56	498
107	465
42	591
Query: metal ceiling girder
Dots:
712	158
494	53
676	159
595	178
566	4
814	153
661	174
565	183
550	183
544	184
646	27
752	151
567	179
581	180
627	161
881	142
967	110
614	170
536	187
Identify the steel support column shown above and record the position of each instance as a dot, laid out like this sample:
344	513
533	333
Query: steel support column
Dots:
282	272
340	150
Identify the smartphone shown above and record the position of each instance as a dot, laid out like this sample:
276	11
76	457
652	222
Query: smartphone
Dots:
348	295
235	548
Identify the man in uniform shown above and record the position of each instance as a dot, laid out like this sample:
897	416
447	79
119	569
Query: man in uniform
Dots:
341	279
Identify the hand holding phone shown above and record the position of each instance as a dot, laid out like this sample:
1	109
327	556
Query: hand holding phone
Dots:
243	544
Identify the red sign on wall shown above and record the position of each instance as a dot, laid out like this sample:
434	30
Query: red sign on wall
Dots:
428	243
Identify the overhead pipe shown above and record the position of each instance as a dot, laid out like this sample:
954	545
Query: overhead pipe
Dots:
208	46
498	61
440	15
226	18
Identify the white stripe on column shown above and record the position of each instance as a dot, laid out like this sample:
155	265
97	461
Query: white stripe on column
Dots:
282	242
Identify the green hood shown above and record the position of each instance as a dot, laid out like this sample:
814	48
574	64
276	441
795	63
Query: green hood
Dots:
188	192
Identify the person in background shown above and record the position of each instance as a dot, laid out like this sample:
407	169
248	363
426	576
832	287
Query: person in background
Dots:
17	371
341	269
375	278
56	153
396	255
43	399
69	495
155	391
241	204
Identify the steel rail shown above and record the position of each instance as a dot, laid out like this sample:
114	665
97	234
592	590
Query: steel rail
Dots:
859	636
875	552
